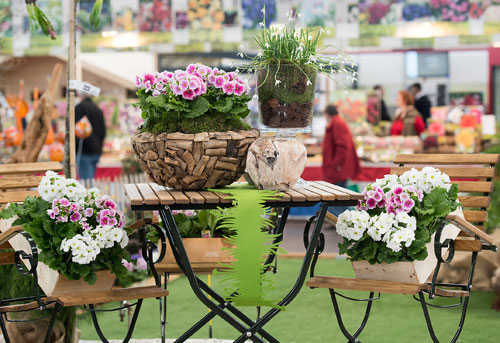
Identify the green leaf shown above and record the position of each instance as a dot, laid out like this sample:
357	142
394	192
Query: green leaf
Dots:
197	108
438	200
223	105
369	252
417	250
95	14
422	235
241	111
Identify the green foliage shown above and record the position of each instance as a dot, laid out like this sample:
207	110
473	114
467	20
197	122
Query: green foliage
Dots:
252	244
38	19
210	112
95	14
48	235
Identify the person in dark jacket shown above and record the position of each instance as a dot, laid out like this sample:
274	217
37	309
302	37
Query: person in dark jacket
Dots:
422	102
384	114
340	160
92	145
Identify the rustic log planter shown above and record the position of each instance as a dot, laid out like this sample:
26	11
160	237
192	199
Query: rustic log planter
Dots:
194	161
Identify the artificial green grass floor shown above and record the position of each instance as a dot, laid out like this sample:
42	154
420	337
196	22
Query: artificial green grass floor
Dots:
310	317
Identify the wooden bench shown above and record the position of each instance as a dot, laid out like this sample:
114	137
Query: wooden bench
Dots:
473	173
17	181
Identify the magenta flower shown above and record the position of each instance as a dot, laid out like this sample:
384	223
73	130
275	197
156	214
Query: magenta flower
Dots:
138	81
62	219
390	209
408	205
398	190
377	196
128	265
219	82
193	84
88	212
184	84
191	68
51	214
76	216
228	88
239	89
149	78
371	194
211	78
85	226
64	202
188	94
371	203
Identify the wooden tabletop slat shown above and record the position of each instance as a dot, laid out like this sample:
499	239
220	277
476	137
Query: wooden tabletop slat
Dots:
325	195
133	194
210	197
17	196
454	172
474	201
364	285
150	197
476	216
194	197
284	197
296	196
179	197
162	194
339	195
310	196
474	186
224	198
29	168
447	159
16	182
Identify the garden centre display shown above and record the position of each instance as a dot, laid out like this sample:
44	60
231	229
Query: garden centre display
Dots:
80	234
193	135
394	224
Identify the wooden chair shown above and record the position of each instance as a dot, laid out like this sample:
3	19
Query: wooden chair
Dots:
473	174
17	181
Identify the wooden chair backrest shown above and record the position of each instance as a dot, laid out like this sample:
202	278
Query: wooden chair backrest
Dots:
473	173
18	181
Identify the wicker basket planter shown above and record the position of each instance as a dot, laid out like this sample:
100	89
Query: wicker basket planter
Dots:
194	161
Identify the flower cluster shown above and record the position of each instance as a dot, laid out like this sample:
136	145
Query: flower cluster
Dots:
397	216
97	217
191	83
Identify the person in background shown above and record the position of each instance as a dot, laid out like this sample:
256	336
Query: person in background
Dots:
92	145
384	114
422	102
408	121
340	161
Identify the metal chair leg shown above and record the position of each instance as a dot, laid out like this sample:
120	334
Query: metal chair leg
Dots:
352	338
52	322
131	326
4	329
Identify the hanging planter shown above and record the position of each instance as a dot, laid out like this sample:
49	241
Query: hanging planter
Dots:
286	95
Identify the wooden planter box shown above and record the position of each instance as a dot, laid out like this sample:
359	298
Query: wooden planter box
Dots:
204	254
53	283
412	272
193	161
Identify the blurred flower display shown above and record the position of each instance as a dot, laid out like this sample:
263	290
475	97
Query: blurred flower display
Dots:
253	15
205	14
154	15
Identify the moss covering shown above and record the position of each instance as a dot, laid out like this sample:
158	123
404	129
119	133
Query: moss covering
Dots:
204	123
293	86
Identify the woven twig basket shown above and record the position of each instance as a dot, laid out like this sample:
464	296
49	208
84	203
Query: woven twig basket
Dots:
193	161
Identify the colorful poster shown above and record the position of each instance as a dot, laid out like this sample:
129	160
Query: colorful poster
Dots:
351	105
415	10
466	98
124	14
154	15
450	10
376	12
205	15
252	12
5	19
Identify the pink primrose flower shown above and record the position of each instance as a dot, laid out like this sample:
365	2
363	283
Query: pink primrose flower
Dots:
76	216
219	82
211	78
51	214
193	84
371	203
377	196
128	265
239	89
64	202
138	81
184	84
188	94
142	264
408	205
62	219
55	210
149	78
191	68
228	88
85	226
371	194
110	204
398	190
390	209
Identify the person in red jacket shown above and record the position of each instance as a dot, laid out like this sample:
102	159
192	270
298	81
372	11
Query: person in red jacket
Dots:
408	121
340	161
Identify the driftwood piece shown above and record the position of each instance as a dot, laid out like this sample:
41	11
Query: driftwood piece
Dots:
36	132
194	161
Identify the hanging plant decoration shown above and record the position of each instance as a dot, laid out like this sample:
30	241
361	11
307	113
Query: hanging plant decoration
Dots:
244	282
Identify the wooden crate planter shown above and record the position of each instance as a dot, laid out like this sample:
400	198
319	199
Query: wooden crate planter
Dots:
412	272
194	161
201	251
50	281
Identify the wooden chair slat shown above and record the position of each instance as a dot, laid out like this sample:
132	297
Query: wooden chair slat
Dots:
223	198
28	306
194	197
198	267
464	225
325	196
133	194
467	244
474	186
455	172
6	258
339	193
150	197
474	201
210	197
447	159
476	216
20	182
364	285
449	293
76	299
178	196
9	233
310	196
162	194
295	196
18	196
5	245
29	168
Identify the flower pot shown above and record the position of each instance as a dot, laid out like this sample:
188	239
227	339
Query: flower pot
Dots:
50	281
193	161
405	271
286	95
276	163
200	251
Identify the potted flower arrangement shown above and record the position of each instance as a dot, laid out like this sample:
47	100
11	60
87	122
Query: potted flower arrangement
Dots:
79	233
193	134
203	237
388	235
287	65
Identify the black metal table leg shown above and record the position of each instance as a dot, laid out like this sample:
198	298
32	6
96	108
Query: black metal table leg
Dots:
298	284
52	322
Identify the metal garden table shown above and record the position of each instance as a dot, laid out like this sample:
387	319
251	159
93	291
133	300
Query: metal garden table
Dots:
151	197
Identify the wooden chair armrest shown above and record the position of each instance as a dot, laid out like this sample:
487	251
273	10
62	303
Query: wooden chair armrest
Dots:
140	223
5	236
470	229
332	218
